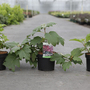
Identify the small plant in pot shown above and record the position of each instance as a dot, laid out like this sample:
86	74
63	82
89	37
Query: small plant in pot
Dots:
86	49
3	54
18	52
40	43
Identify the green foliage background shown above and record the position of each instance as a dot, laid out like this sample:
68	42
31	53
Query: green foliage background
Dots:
14	15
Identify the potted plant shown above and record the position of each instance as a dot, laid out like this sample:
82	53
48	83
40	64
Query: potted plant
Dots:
3	54
36	43
17	53
30	49
86	47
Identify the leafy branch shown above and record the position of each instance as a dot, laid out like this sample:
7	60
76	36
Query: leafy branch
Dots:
3	38
17	53
39	28
67	59
85	42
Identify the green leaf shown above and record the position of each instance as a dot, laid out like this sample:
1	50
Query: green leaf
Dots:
33	56
24	52
78	40
50	24
11	61
36	40
59	59
34	63
77	59
88	37
11	44
25	41
66	65
83	48
38	29
67	55
88	43
61	40
31	34
14	49
76	52
40	45
5	38
53	38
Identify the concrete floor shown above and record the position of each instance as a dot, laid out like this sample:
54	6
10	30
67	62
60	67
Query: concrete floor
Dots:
26	78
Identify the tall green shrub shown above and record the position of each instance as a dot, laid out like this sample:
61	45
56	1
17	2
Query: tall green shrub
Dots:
3	20
18	13
14	15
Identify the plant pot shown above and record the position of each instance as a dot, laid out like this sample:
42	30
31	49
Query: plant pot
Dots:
3	55
30	16
44	64
81	23
88	23
87	55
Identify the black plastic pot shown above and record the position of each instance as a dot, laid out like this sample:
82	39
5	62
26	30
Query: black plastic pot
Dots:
87	61
44	64
2	59
81	23
30	16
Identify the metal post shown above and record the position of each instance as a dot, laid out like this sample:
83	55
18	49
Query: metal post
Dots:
58	5
82	7
27	11
71	6
32	7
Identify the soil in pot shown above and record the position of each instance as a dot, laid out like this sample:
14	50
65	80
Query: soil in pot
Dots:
3	55
87	55
44	64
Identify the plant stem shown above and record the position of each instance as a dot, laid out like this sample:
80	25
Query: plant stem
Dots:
44	30
85	47
71	58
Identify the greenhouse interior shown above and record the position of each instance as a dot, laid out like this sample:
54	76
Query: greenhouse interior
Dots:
44	44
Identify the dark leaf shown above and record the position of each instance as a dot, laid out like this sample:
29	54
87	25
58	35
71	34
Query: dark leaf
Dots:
59	58
24	52
53	38
36	40
66	65
76	52
11	61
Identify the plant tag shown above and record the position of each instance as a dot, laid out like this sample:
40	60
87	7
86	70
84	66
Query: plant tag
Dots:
47	50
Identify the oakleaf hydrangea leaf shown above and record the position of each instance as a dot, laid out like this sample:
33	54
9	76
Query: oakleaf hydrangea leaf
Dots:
66	65
53	38
24	52
11	61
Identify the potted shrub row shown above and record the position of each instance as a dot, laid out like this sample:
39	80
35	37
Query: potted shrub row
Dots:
38	50
31	49
80	18
60	14
29	13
